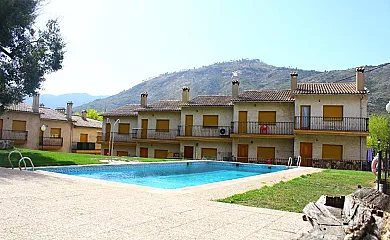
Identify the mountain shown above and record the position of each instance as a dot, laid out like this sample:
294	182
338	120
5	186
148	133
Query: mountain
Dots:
253	73
54	101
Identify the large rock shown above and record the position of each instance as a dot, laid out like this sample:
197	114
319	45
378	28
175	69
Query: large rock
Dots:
6	144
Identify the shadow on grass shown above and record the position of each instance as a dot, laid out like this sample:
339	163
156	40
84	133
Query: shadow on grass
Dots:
43	158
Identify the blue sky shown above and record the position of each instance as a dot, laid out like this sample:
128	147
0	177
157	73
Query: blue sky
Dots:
114	45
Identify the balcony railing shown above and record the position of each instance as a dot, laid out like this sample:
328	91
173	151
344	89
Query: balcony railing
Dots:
347	124
169	134
50	141
263	128
200	131
13	135
118	137
83	146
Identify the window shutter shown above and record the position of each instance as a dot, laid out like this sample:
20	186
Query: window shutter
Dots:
332	152
210	120
162	125
209	152
124	128
18	125
162	154
266	153
331	112
267	117
55	132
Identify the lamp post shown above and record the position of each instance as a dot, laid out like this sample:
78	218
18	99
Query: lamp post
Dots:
43	129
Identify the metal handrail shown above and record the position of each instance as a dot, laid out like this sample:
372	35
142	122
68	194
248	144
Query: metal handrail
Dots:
25	167
9	157
290	161
299	161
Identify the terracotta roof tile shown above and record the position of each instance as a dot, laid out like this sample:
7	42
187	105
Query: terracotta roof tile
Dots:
210	101
78	121
125	111
162	106
327	88
51	114
265	96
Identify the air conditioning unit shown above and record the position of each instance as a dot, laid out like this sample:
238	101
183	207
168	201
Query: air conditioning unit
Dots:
224	132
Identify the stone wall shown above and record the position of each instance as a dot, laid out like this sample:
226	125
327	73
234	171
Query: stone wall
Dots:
6	144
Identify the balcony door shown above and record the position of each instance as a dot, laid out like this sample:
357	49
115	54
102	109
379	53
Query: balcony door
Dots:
108	130
242	121
305	117
188	125
306	151
242	152
1	128
144	126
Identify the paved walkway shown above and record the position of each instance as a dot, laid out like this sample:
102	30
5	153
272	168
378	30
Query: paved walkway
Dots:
49	206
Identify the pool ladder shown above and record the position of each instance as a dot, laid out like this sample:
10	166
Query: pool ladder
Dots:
290	161
22	159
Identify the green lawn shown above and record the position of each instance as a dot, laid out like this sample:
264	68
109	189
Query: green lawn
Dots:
47	158
295	194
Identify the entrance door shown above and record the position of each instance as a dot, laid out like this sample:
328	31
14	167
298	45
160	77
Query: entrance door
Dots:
242	121
108	130
188	152
144	125
143	152
188	126
105	152
305	117
83	137
242	152
305	152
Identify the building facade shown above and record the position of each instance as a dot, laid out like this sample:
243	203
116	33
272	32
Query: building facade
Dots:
309	121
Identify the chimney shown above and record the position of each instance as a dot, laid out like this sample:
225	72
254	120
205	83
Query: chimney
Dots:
294	80
84	115
235	85
185	97
360	78
144	99
35	105
69	110
60	109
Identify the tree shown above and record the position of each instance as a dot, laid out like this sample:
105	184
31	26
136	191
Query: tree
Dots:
379	129
93	113
26	52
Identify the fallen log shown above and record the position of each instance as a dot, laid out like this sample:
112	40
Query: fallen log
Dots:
360	215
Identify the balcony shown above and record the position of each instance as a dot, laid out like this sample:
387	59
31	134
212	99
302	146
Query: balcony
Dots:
50	142
85	147
156	134
207	132
118	137
262	129
17	136
331	125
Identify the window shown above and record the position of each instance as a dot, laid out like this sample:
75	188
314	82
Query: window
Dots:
267	117
210	120
332	152
209	153
122	153
333	113
162	125
18	125
83	137
124	128
161	154
266	153
55	132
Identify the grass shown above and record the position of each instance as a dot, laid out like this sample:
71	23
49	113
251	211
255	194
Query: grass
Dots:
295	194
47	158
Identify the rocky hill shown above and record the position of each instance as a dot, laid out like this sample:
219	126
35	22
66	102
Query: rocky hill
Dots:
254	74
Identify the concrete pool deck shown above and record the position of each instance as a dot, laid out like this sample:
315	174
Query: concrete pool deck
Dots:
36	205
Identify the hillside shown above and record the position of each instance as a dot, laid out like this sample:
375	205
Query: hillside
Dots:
254	74
54	101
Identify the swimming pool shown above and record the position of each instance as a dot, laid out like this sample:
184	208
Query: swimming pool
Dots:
169	175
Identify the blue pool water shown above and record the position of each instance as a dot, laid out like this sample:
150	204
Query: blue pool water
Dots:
169	175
